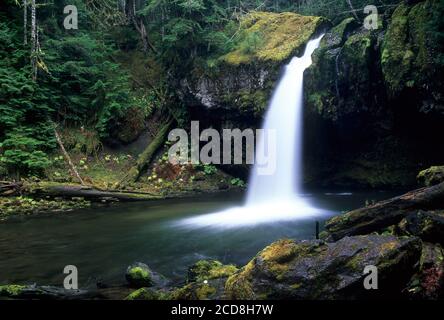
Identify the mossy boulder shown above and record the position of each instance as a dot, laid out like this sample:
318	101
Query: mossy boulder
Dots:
148	294
428	225
209	269
431	176
205	280
139	275
289	269
428	282
204	290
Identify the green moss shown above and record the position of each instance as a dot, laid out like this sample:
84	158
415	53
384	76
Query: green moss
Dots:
210	269
337	35
139	273
11	290
238	286
147	294
193	291
431	176
278	36
406	58
29	205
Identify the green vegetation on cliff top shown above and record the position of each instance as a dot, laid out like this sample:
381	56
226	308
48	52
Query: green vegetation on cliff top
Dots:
267	36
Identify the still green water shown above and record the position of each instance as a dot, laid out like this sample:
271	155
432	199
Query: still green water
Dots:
102	242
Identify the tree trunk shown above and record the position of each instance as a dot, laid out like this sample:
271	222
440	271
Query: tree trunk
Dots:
67	157
386	213
147	155
25	22
33	41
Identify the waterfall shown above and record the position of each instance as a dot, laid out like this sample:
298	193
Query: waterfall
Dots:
277	196
284	115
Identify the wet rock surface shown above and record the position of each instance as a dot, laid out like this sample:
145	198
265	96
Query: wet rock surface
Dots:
289	269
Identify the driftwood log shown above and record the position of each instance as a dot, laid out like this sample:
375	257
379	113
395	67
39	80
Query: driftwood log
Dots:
69	191
385	213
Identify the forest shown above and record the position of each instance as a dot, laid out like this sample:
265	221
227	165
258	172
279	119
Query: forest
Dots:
91	92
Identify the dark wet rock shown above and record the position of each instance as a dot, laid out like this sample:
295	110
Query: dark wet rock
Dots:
315	269
431	176
428	225
428	283
44	293
383	214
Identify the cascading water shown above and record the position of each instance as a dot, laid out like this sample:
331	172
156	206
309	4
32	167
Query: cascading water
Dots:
285	117
276	196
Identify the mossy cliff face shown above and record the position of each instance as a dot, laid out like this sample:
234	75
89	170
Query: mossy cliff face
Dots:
373	101
288	269
370	92
409	56
243	79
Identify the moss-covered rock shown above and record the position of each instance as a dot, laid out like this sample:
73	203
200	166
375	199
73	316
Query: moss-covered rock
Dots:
11	290
204	290
428	225
14	291
209	269
431	176
28	205
139	275
288	269
148	294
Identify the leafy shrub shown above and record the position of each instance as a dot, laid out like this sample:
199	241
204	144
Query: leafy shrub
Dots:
22	152
237	182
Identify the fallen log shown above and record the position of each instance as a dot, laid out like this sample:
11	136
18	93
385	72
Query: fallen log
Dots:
69	191
384	213
147	155
9	188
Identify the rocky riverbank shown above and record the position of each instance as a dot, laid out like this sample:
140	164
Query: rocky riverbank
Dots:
402	237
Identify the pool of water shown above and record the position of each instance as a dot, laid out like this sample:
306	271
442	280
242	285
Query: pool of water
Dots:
102	242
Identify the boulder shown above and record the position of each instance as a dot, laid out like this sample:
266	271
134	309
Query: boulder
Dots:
427	225
288	269
431	176
209	269
205	280
139	275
